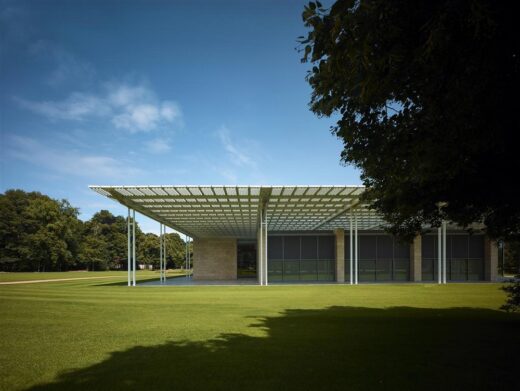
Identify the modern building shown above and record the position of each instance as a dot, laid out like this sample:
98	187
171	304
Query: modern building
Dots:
301	234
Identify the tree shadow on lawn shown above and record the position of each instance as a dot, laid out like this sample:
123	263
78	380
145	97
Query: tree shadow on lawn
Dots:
329	349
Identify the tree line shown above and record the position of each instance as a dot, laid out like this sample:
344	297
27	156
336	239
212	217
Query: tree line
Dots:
39	233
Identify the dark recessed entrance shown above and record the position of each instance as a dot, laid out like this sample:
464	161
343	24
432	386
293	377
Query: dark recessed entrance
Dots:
246	259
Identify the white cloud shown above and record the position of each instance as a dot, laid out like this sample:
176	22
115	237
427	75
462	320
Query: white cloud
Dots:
68	162
131	107
158	146
170	111
77	107
237	153
141	117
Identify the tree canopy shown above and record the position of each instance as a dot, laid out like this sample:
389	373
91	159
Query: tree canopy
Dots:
425	94
38	233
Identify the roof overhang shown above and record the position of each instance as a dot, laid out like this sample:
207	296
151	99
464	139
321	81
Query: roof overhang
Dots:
232	211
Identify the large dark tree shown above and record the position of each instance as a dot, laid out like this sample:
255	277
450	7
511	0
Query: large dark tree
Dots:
426	97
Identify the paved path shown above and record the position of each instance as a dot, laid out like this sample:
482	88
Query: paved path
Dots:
56	279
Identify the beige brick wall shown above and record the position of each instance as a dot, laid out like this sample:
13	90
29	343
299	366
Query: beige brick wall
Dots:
490	260
215	259
416	259
340	254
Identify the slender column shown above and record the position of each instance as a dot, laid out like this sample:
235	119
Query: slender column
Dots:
129	247
351	251
133	248
439	255
160	253
266	279
189	257
260	247
444	268
356	253
186	255
164	251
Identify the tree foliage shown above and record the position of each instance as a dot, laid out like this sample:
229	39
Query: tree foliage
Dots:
38	233
426	98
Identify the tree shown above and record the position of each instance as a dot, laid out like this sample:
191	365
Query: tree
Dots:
149	253
105	236
175	251
425	94
37	232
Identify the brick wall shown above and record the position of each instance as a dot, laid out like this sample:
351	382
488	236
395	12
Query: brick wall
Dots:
215	259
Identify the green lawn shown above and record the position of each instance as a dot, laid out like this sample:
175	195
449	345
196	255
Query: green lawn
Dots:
98	335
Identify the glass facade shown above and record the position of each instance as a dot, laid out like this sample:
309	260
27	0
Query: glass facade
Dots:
246	259
464	257
380	258
301	258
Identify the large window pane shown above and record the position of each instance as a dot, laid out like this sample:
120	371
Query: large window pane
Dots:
383	269
385	246
291	270
274	247
458	269
367	247
309	247
401	249
402	269
308	270
326	245
459	246
367	270
429	269
347	270
347	247
476	246
429	246
292	247
326	270
275	268
475	269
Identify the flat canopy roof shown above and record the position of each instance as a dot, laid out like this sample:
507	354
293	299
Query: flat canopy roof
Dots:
233	211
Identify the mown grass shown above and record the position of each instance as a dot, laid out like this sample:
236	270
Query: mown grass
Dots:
92	335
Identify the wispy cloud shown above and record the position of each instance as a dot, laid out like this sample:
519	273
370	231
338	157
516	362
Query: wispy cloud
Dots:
238	153
68	162
134	108
66	65
158	146
77	107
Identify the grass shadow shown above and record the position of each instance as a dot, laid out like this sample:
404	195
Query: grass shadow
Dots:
338	348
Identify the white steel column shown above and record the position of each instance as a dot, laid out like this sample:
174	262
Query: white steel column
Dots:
444	252
133	248
164	251
186	255
160	253
128	259
261	251
439	255
189	258
356	253
266	280
351	251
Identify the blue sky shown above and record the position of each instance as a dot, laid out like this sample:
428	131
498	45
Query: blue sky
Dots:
135	92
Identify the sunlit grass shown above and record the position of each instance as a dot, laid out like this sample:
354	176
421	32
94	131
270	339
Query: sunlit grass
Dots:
65	334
